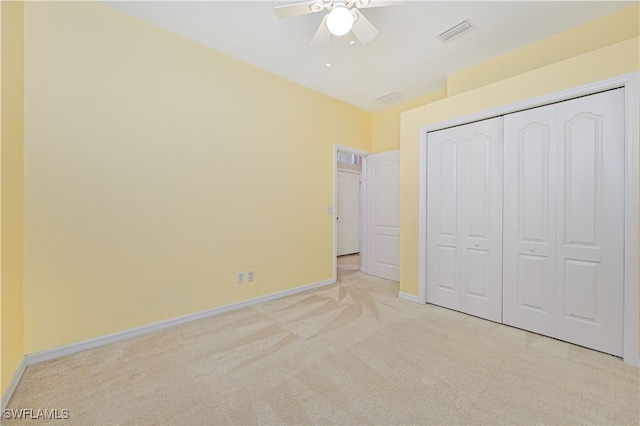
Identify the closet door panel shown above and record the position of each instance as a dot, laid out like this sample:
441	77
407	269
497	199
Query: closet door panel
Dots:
443	228
481	218
464	218
590	221
529	218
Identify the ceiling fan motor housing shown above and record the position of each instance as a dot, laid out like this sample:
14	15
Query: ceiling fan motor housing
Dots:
340	20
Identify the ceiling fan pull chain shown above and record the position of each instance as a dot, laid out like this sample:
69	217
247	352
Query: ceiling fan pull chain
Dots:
328	63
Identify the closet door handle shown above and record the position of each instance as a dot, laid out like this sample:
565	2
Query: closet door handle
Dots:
532	249
477	244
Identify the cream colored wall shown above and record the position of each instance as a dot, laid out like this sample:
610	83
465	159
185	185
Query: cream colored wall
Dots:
596	34
11	189
386	123
156	169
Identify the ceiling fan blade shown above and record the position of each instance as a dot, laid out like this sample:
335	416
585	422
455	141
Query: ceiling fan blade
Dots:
362	4
322	35
363	29
296	9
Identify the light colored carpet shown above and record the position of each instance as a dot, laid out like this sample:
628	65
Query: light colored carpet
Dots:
351	353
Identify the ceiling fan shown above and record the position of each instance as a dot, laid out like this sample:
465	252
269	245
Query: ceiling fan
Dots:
343	16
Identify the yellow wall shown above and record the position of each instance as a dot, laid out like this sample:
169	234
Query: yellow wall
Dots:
11	189
596	34
386	123
156	169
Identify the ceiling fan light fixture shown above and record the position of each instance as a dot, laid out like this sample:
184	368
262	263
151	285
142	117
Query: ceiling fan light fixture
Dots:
340	20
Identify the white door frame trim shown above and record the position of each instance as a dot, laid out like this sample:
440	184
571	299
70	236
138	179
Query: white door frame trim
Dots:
363	212
630	83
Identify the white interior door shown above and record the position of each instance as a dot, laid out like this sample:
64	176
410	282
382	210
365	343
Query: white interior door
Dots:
443	235
383	215
590	221
464	218
481	219
564	221
348	212
529	220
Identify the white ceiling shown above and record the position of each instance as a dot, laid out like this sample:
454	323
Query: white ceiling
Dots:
405	57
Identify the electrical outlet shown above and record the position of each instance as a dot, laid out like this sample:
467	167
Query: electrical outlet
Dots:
250	276
240	277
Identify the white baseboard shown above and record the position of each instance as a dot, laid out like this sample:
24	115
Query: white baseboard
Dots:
162	325
409	297
8	393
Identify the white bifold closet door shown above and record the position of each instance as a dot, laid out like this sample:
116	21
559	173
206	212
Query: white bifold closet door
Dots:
564	220
529	293
464	218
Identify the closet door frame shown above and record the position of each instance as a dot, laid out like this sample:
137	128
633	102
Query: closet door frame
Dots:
630	83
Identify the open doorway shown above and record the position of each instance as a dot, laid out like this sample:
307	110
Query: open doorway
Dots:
379	212
349	236
348	210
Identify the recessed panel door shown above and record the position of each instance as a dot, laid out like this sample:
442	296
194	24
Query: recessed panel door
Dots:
464	218
529	220
480	189
590	221
443	218
383	215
